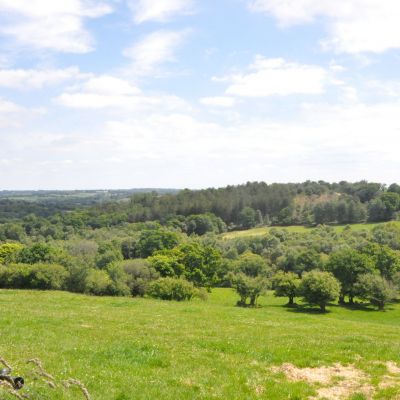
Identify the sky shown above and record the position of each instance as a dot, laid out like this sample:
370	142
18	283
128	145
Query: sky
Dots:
197	93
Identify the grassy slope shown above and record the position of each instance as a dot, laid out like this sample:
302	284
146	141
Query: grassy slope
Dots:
144	349
299	229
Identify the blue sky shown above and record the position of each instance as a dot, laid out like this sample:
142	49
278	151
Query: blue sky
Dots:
190	93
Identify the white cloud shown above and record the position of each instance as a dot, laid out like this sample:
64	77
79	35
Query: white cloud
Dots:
354	26
8	107
159	10
154	50
175	149
37	78
50	24
218	101
112	93
269	77
14	115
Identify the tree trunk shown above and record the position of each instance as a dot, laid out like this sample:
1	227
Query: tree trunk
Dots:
351	299
291	300
341	299
323	307
381	306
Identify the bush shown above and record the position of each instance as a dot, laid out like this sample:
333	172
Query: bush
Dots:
119	278
98	283
319	288
36	276
140	273
172	289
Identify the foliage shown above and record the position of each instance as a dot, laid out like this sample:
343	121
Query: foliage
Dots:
9	251
154	240
203	223
252	265
172	289
286	284
98	283
318	287
37	253
140	273
376	289
167	264
33	276
248	287
347	265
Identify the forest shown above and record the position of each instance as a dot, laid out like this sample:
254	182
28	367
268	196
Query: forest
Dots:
169	245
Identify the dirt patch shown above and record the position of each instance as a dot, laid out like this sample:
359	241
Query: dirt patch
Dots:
338	382
393	368
392	380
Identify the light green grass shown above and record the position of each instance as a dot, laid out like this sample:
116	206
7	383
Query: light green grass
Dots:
295	228
129	349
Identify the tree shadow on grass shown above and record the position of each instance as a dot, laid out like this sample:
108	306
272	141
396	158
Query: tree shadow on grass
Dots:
307	309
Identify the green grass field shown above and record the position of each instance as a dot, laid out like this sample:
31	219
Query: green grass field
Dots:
299	229
125	349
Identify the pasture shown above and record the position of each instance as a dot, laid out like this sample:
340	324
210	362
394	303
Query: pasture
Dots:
259	231
126	349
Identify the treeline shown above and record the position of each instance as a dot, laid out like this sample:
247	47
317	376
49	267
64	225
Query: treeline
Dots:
257	203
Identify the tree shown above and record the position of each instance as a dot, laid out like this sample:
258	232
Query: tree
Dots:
286	285
384	207
247	218
167	264
394	188
248	287
9	251
318	287
347	265
38	253
153	240
252	265
387	261
375	289
249	277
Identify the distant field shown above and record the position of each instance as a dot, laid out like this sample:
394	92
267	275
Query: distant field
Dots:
300	229
126	349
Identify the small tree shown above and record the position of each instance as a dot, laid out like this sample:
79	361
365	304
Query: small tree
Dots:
248	287
347	265
319	288
286	285
375	289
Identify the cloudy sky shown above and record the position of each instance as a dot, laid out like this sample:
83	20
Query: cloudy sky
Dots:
197	93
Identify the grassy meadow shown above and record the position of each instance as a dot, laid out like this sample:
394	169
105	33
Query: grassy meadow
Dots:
124	349
259	231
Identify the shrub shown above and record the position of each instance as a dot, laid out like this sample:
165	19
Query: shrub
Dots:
319	288
36	276
172	289
98	283
140	273
119	278
375	289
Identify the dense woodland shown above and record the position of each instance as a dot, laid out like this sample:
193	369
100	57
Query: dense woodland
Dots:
168	245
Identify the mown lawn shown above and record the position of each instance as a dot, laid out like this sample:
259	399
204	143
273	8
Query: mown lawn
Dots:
125	349
295	228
